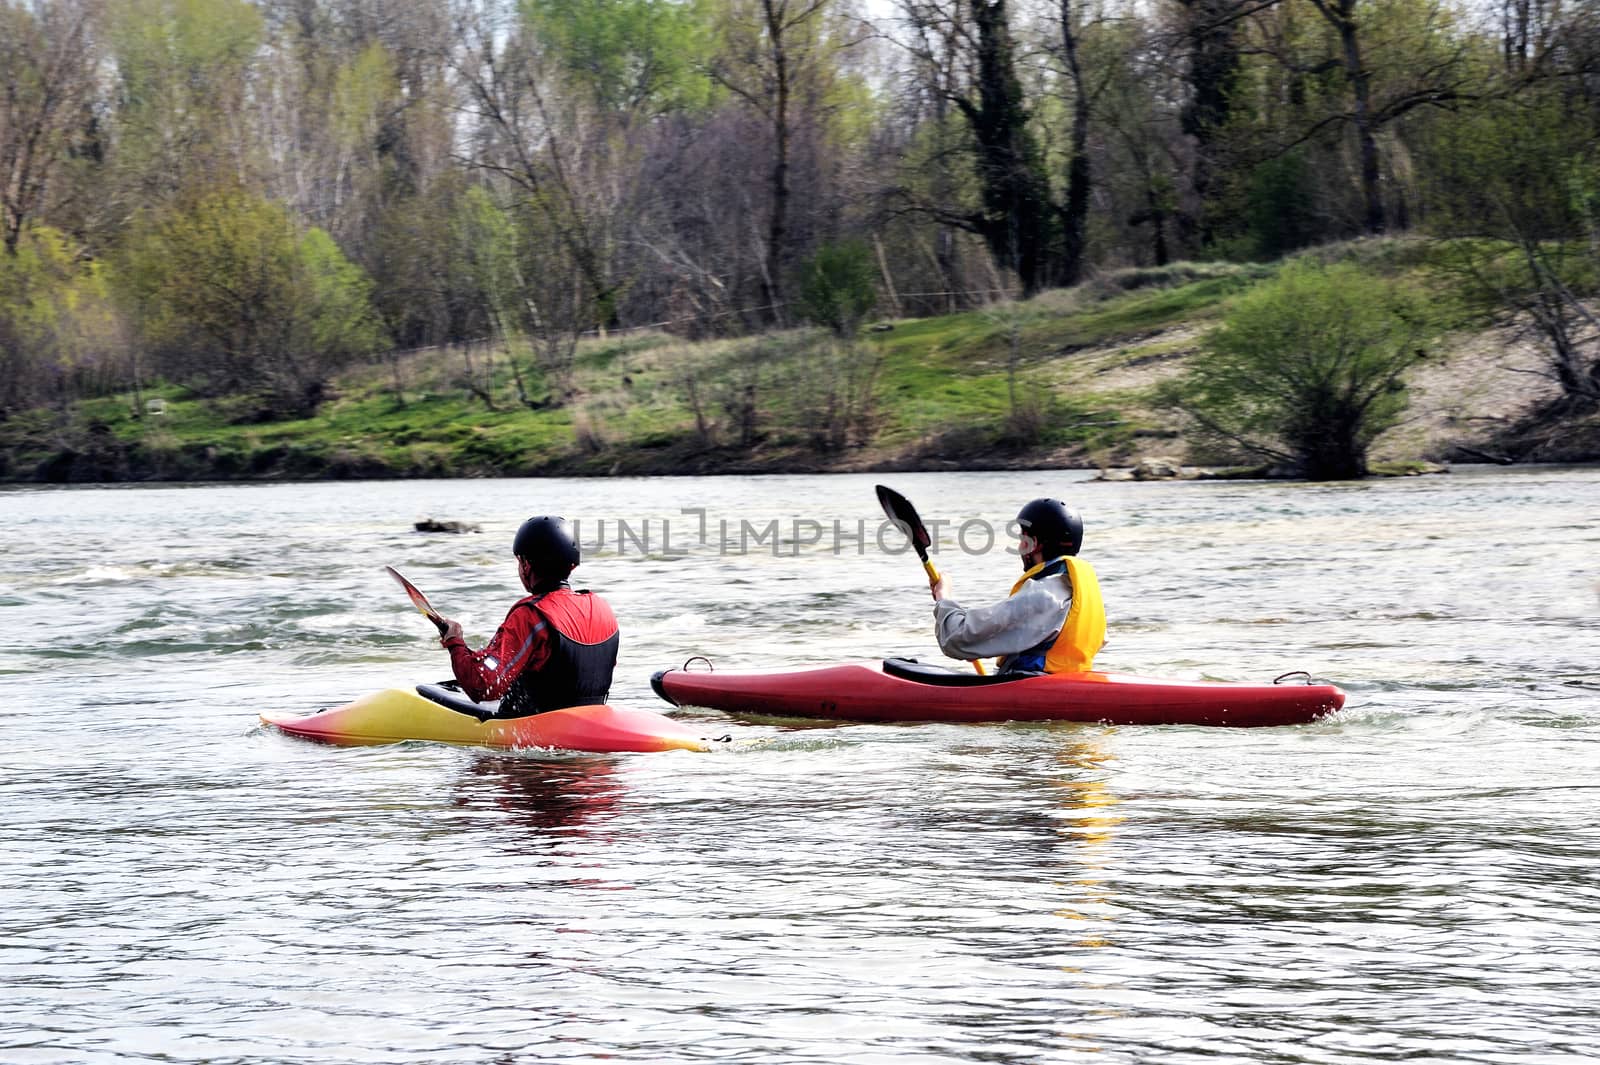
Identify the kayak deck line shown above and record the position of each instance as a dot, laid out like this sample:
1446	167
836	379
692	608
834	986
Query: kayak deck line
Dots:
903	690
393	715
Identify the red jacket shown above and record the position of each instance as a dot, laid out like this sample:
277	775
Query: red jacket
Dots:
554	649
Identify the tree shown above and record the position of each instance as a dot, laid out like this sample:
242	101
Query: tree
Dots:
423	279
1306	370
636	59
529	289
1209	36
352	102
1391	59
1517	186
1080	174
1142	145
47	56
545	143
60	336
773	53
928	153
967	55
1019	221
184	70
238	300
699	261
838	287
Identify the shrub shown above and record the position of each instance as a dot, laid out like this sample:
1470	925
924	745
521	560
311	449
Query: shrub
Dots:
838	287
59	334
1306	370
237	299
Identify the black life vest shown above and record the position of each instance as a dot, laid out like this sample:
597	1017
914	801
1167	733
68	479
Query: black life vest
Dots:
583	655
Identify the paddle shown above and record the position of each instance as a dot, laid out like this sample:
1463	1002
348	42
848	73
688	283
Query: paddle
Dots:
418	600
899	510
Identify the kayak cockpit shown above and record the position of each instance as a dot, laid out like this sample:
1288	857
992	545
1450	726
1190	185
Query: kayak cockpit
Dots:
944	676
451	697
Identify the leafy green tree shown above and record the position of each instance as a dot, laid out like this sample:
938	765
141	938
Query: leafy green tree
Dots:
1354	76
424	287
485	241
1513	185
1307	369
181	99
60	336
634	57
1279	209
531	288
339	321
423	284
363	138
238	300
554	307
488	242
839	287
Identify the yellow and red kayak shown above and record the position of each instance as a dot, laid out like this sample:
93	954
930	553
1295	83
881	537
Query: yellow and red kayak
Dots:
397	714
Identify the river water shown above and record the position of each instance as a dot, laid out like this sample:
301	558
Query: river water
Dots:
1416	878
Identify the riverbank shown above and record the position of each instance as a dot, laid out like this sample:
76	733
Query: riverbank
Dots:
1064	380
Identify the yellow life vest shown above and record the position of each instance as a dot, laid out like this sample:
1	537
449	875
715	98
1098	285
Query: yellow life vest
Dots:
1084	631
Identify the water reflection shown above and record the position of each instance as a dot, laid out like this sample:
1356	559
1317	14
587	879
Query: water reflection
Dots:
1089	823
562	797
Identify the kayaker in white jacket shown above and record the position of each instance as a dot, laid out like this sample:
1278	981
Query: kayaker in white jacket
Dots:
1054	620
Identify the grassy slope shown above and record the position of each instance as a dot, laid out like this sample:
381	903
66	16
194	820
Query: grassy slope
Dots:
1086	360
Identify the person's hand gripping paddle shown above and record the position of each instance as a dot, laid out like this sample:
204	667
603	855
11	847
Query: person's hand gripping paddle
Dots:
899	510
418	600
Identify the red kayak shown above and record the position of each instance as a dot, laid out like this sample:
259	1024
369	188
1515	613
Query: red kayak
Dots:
906	690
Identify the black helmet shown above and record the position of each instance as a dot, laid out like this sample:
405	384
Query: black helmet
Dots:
1056	526
548	544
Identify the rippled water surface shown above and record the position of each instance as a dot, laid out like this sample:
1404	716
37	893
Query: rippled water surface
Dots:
1412	879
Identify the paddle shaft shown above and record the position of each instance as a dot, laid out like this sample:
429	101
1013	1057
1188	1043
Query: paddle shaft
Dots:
900	511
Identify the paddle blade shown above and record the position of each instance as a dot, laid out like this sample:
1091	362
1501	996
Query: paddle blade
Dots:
900	511
418	600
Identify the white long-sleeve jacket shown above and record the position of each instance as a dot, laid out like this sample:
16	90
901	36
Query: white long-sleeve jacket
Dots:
1035	612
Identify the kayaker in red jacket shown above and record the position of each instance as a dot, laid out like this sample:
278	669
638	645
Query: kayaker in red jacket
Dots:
556	647
1053	621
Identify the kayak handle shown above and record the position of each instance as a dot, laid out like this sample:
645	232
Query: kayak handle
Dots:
1292	673
699	658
